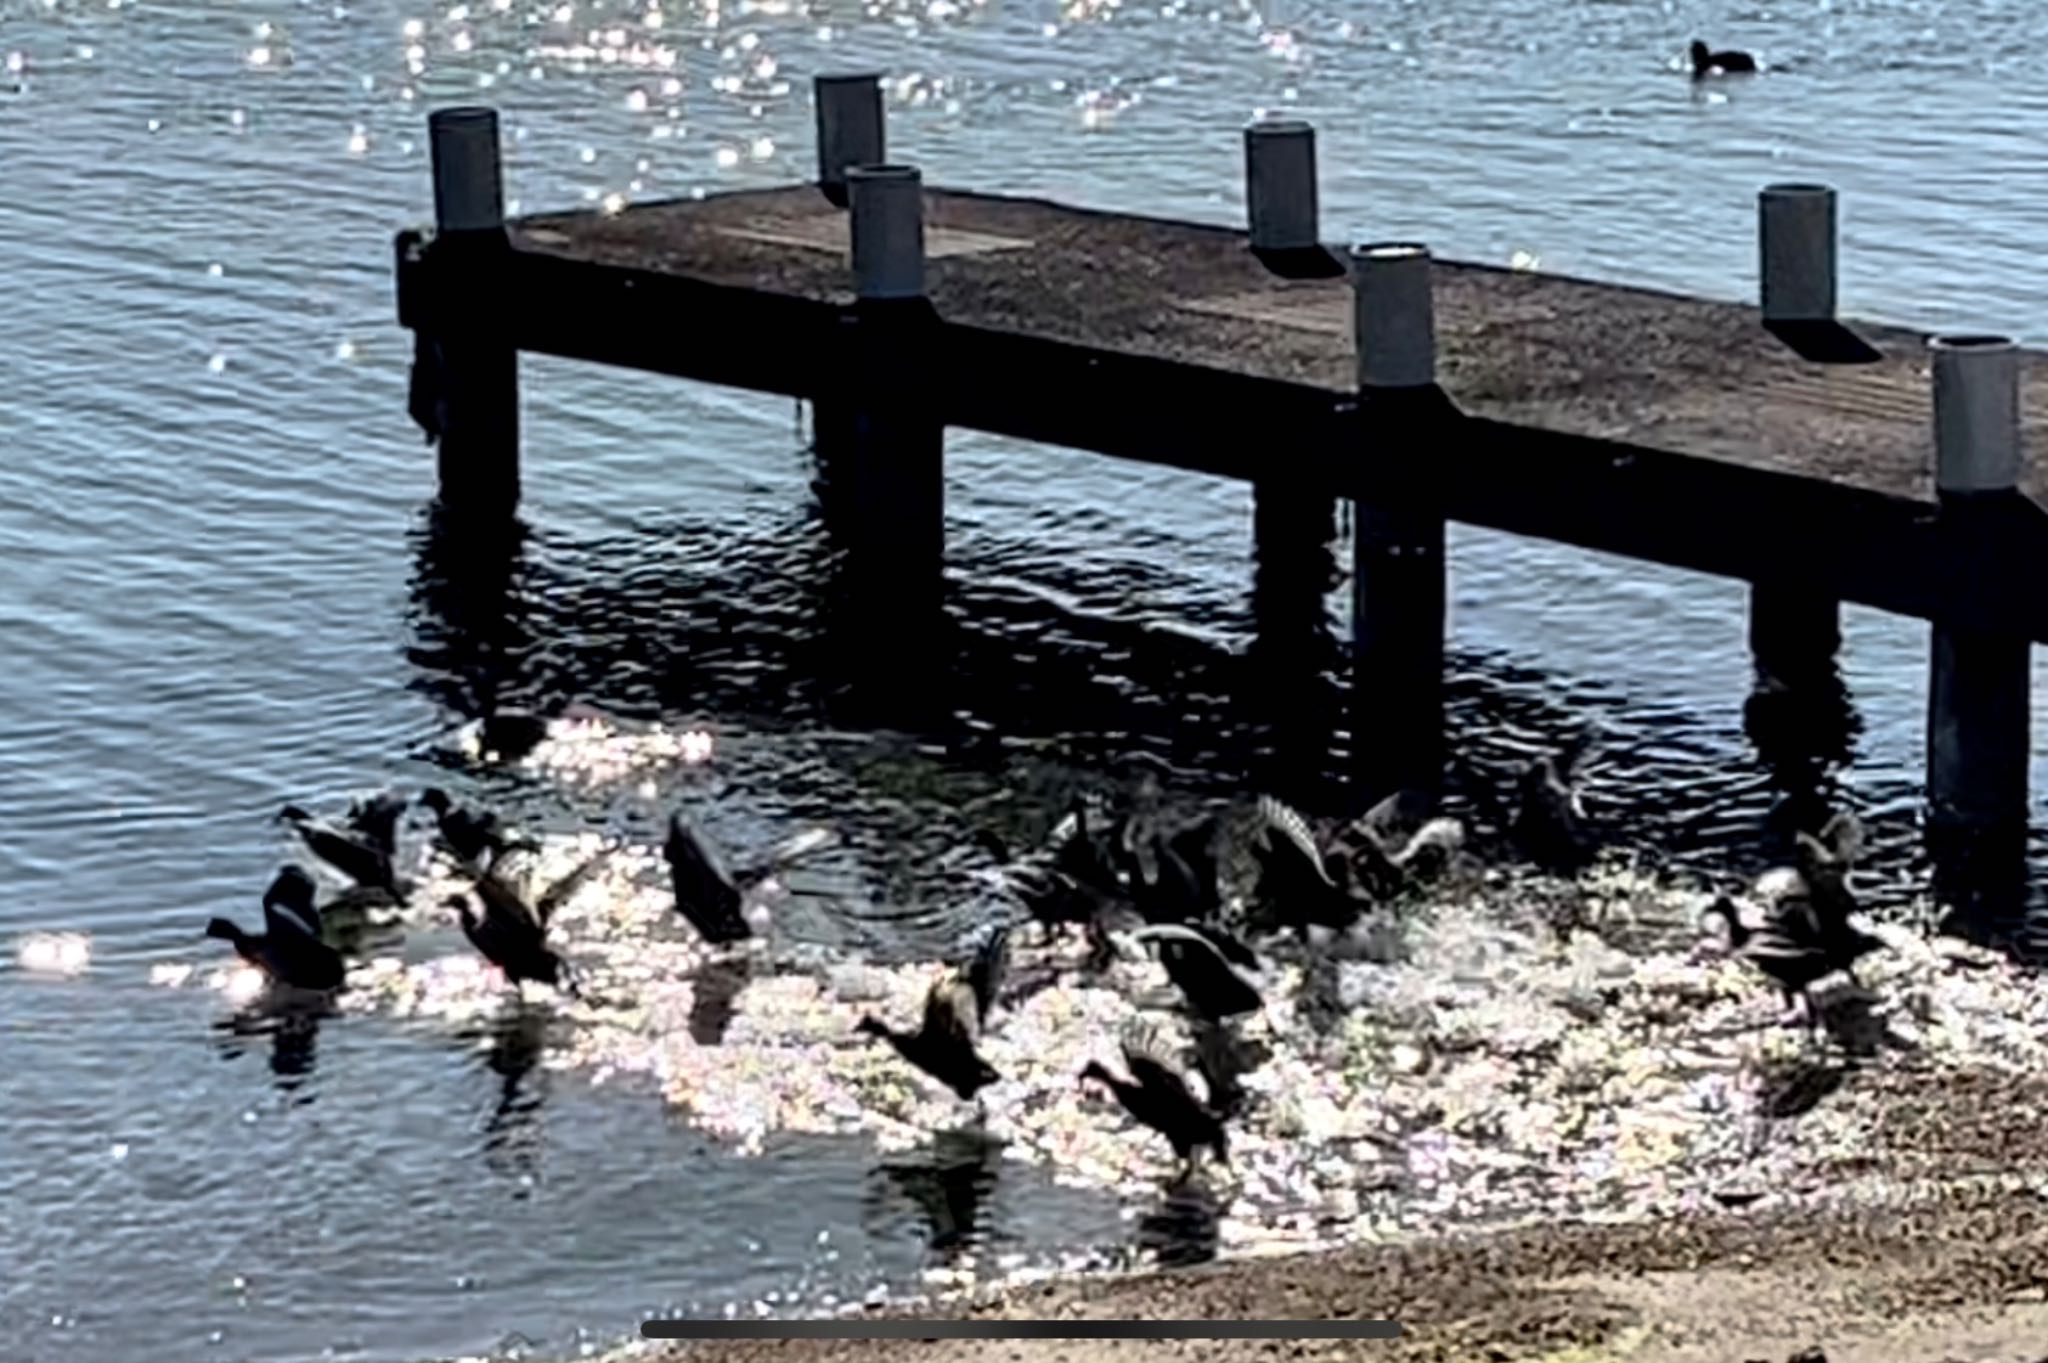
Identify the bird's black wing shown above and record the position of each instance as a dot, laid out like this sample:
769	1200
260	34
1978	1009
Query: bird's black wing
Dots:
503	900
1843	835
1287	835
346	853
1194	847
951	1017
1227	945
1082	853
1570	760
985	973
289	903
1145	1056
376	820
1388	822
564	889
704	890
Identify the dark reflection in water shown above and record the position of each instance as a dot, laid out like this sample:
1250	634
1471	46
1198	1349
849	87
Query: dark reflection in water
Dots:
512	1132
1184	1228
947	1181
289	1020
471	586
1287	694
695	618
715	990
1803	730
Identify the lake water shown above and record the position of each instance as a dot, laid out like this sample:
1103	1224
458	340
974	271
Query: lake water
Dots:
212	502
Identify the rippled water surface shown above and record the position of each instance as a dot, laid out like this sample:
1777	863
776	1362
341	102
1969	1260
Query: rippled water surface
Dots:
211	512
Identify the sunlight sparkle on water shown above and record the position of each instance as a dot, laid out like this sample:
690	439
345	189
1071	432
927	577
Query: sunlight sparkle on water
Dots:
55	953
240	983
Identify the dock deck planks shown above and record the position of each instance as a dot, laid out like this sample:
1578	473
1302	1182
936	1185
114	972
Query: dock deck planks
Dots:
1566	356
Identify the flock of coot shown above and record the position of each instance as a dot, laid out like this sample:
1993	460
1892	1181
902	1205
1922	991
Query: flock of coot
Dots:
1125	880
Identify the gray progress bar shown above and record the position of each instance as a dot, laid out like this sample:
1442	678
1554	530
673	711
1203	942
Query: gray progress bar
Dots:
1020	1329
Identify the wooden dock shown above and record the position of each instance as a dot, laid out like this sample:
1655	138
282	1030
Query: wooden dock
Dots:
1665	428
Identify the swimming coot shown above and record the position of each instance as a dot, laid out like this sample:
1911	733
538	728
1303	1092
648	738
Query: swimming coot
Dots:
1706	62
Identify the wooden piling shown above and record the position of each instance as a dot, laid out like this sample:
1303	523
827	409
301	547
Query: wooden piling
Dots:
1280	198
1978	692
1797	271
1398	584
851	128
880	446
1294	530
1794	631
467	373
1280	184
1796	245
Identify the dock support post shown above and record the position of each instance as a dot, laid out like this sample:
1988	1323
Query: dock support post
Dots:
470	370
851	128
1399	581
1978	691
1796	273
1798	714
1293	531
881	448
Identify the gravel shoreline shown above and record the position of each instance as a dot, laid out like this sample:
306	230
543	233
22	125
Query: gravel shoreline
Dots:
1933	1274
1935	1251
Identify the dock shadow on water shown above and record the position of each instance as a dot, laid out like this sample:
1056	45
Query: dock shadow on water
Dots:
686	618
